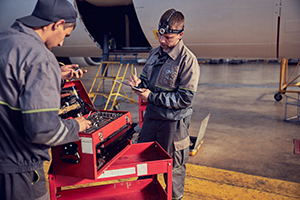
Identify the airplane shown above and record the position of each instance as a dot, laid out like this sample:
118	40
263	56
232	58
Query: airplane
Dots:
214	29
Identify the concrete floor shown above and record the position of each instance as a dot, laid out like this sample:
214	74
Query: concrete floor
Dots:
246	132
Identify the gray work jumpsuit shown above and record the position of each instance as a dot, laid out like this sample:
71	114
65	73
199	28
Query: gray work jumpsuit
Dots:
30	84
172	79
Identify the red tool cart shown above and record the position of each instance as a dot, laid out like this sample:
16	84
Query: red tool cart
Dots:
136	160
105	152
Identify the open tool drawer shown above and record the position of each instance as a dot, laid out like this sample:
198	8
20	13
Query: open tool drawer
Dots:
137	160
98	146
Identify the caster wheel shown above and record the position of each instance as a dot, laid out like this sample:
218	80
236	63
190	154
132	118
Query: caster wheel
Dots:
278	97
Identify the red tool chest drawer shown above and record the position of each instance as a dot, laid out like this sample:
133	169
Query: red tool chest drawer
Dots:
137	160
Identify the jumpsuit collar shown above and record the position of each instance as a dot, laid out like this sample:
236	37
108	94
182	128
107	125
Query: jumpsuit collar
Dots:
27	30
174	53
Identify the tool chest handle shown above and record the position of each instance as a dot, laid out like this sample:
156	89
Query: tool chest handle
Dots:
70	153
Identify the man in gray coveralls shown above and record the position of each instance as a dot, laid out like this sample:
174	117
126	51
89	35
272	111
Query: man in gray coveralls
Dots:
169	80
30	86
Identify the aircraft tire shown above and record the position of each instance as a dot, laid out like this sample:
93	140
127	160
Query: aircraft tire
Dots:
84	61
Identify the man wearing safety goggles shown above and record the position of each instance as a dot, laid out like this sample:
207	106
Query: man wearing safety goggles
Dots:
169	82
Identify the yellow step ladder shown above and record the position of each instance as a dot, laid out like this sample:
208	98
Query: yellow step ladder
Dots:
116	88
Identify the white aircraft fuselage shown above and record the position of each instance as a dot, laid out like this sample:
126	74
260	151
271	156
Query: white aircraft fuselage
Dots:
233	29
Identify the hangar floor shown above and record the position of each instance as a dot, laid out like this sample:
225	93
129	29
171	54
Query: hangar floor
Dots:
248	147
